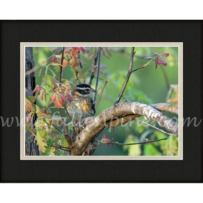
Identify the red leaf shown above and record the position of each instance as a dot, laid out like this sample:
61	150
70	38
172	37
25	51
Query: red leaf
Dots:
74	52
39	88
165	54
105	140
77	48
58	102
91	57
52	98
163	62
63	97
82	50
101	72
53	59
95	67
67	51
42	96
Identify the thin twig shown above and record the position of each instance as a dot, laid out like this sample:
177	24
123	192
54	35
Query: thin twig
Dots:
153	127
76	75
127	78
101	94
95	63
61	68
98	71
123	144
81	68
60	147
37	66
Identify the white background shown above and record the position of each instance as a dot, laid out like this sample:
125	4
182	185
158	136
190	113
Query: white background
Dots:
96	193
97	9
76	193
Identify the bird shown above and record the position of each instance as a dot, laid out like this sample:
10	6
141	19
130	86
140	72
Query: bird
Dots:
82	105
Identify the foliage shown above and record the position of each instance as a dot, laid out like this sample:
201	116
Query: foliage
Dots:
145	86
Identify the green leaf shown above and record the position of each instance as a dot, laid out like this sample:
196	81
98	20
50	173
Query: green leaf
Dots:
171	147
55	64
31	98
150	150
54	75
133	150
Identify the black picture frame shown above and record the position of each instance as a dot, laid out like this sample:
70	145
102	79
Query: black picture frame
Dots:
14	170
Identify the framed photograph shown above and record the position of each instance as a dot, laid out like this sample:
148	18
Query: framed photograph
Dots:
120	104
63	118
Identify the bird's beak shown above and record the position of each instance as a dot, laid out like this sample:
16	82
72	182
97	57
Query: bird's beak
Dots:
92	90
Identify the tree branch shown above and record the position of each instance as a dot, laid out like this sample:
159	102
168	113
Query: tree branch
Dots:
61	67
153	127
98	72
81	68
166	107
95	63
101	94
96	124
127	78
123	144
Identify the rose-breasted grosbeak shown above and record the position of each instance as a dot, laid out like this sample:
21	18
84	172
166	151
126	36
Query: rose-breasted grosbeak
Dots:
82	105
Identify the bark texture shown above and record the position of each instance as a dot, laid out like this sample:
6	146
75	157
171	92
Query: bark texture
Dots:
166	107
31	147
127	111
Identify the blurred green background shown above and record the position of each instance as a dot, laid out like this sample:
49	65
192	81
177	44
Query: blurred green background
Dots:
146	85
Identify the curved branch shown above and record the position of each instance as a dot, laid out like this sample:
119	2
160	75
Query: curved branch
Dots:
166	107
96	124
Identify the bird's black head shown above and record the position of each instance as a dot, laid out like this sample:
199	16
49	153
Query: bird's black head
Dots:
83	90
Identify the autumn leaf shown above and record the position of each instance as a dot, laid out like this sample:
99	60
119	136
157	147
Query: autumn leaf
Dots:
28	105
65	63
39	88
40	113
67	51
74	52
73	63
52	98
58	99
28	117
57	102
41	142
53	59
42	96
